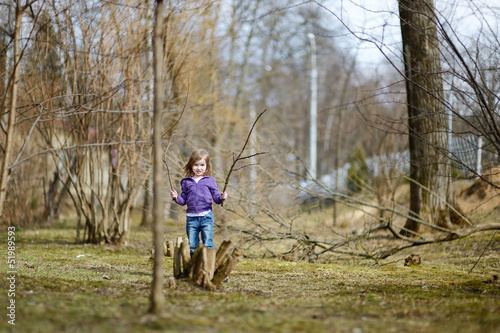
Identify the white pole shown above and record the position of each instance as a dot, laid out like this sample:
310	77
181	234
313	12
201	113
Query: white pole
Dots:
479	168
313	134
450	124
450	120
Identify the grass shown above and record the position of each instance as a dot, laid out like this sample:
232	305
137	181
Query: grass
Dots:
66	287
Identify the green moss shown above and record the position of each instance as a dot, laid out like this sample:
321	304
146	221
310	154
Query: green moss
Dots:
62	286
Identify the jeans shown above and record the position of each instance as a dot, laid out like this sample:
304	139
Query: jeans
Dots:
196	225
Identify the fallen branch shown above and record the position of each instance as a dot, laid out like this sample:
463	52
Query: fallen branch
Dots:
384	228
487	246
456	234
393	244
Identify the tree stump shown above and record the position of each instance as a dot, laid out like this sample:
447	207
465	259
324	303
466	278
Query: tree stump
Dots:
169	249
221	253
178	258
207	268
227	266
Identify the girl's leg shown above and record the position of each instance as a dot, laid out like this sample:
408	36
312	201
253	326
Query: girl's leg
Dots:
192	231
207	230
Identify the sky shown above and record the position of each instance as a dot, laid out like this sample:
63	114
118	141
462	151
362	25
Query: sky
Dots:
378	22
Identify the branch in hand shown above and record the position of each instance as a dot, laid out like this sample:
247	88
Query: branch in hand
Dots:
239	158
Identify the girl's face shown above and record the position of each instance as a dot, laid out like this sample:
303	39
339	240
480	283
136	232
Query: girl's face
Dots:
200	168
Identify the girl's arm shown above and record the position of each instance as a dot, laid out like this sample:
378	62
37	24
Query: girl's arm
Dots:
180	199
216	195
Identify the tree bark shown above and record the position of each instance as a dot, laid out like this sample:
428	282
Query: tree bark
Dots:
186	258
177	263
169	249
157	298
221	253
146	219
226	268
9	144
427	122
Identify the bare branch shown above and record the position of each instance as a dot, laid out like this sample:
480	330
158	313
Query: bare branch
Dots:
182	113
238	158
170	138
487	246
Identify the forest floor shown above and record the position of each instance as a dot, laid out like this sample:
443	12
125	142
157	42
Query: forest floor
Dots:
61	286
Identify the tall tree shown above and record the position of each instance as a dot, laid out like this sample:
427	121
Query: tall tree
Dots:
430	191
9	138
157	290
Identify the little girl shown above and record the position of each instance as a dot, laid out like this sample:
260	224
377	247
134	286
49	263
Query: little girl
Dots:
198	190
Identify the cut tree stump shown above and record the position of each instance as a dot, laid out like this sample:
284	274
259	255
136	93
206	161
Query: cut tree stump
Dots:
207	268
178	260
186	258
227	266
169	248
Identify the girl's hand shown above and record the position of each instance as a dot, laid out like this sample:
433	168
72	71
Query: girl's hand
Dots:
223	195
173	194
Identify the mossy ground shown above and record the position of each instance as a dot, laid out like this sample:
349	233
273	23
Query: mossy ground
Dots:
66	287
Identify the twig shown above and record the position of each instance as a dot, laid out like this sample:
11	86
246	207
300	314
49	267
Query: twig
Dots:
253	155
244	166
238	158
182	113
166	165
487	246
170	138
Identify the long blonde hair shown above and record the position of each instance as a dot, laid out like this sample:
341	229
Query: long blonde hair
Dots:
197	155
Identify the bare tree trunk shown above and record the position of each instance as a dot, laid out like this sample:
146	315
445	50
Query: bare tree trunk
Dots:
5	169
146	219
430	192
157	298
3	71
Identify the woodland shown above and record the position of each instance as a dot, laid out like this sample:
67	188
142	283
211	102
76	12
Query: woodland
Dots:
349	135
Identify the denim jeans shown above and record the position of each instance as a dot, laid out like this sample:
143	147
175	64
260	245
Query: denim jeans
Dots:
196	225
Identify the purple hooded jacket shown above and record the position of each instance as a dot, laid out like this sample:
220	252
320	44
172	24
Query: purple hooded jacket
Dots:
198	196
